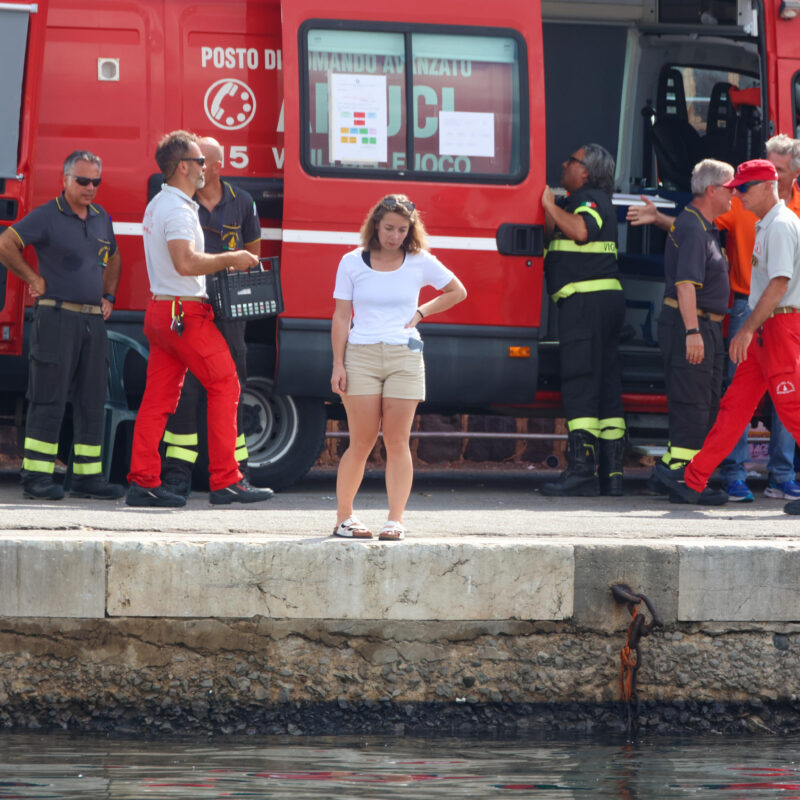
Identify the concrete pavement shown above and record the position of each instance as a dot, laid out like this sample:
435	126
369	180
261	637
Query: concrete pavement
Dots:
444	504
482	546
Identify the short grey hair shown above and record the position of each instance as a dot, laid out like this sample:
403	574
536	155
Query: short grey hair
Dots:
600	165
710	172
81	155
784	145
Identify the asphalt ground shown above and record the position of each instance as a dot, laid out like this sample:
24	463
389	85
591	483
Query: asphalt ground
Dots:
445	504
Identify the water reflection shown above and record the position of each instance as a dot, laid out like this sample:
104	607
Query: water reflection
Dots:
64	766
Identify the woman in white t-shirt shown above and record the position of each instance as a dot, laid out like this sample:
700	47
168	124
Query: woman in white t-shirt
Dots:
378	367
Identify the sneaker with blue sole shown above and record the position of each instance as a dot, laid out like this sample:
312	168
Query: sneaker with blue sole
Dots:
739	492
788	490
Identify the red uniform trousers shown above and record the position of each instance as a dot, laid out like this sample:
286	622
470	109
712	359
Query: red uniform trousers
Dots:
773	365
202	349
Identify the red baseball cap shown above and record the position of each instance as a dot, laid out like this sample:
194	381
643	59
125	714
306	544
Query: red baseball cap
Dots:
759	169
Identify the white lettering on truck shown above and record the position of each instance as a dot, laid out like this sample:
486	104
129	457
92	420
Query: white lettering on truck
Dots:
239	58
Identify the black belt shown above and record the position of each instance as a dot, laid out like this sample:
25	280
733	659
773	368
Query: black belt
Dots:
740	296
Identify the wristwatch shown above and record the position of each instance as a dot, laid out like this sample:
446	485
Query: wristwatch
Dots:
110	298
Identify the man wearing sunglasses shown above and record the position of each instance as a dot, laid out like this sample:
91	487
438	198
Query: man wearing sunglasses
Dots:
179	324
740	224
79	268
230	221
767	346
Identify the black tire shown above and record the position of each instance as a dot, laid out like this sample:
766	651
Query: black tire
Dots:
284	435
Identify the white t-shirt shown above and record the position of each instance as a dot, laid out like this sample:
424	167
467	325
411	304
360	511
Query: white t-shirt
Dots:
383	302
171	214
776	253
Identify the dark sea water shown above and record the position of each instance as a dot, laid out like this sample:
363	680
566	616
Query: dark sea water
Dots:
71	766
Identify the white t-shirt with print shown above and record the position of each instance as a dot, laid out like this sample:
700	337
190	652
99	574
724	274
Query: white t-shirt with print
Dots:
171	214
383	302
776	253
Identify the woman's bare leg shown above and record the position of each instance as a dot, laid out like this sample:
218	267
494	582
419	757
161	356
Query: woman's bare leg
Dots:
363	420
398	416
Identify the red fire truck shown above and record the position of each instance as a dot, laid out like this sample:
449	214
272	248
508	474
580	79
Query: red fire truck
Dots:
322	108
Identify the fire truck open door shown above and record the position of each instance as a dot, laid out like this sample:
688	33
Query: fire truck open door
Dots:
443	107
22	28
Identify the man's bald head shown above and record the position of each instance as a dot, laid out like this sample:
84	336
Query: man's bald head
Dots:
212	150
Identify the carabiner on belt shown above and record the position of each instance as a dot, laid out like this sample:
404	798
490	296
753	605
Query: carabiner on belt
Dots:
177	318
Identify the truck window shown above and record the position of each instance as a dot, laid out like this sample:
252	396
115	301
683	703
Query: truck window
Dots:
701	12
699	85
459	115
13	38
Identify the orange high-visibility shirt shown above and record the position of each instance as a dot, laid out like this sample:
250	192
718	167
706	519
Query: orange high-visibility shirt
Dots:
741	226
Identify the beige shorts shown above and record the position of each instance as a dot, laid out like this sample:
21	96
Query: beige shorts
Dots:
391	370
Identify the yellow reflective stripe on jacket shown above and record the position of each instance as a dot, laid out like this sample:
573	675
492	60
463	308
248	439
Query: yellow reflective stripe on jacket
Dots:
588	210
582	287
592	248
182	439
38	446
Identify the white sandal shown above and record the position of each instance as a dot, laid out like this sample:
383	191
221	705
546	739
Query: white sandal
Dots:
352	528
392	532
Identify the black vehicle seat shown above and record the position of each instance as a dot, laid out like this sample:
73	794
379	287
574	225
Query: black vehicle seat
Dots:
747	142
721	125
675	142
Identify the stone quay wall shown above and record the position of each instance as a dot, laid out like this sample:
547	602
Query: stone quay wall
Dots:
320	637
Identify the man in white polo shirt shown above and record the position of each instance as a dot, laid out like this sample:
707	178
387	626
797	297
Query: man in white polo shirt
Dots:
179	324
767	346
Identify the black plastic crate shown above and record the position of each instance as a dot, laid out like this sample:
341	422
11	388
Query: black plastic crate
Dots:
247	295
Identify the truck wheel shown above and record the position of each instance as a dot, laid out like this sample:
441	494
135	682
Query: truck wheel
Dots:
284	435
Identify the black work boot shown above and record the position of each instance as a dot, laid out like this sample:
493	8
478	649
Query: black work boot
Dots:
579	479
39	486
680	492
156	497
177	478
241	492
609	468
95	486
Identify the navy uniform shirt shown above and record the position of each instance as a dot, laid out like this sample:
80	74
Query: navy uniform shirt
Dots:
232	224
563	267
694	255
72	252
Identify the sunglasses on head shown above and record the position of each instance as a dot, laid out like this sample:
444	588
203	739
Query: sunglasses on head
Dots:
392	204
81	181
743	187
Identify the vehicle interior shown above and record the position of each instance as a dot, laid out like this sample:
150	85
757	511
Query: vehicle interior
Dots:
661	85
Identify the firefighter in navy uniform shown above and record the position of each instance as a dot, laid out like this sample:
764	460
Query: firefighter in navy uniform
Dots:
230	222
696	296
582	279
79	268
